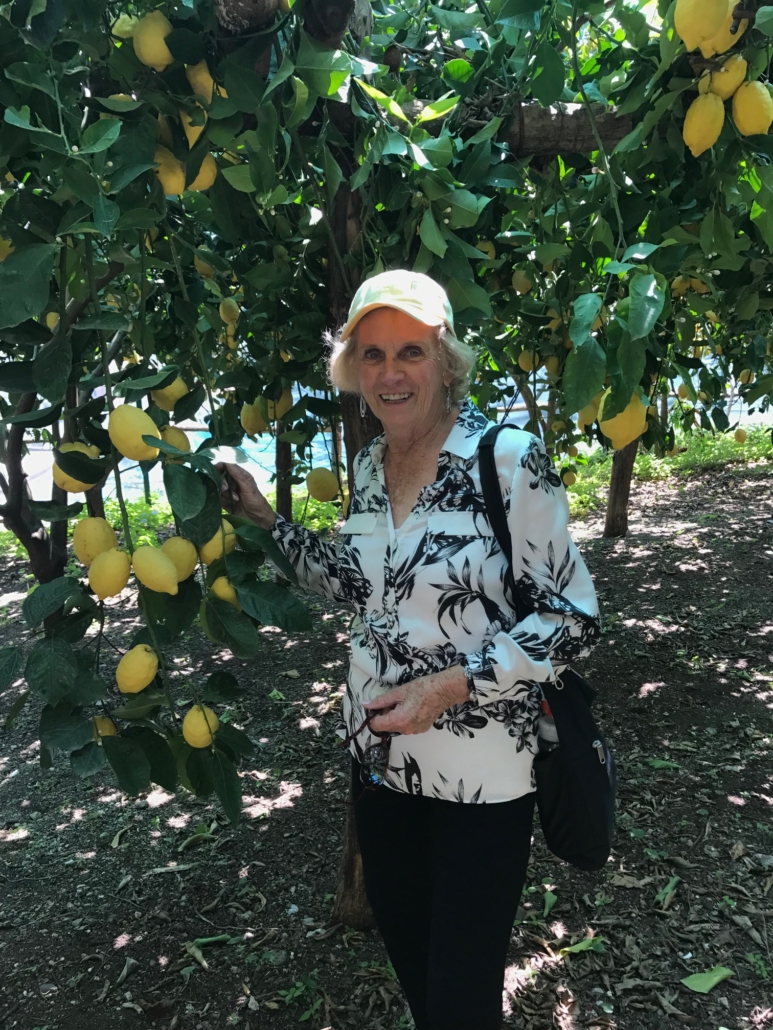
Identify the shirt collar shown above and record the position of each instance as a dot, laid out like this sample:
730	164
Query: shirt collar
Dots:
462	440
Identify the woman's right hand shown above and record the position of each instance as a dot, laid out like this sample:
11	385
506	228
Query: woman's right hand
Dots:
240	496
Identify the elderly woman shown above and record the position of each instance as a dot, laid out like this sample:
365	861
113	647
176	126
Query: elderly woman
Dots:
443	696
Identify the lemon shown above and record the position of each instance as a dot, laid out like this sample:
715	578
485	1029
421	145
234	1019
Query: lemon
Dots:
702	395
91	537
52	320
155	569
170	395
680	285
699	286
182	554
703	123
726	80
251	419
718	348
553	364
569	478
109	573
222	588
124	26
176	437
149	37
214	548
588	415
127	426
673	452
203	267
6	248
136	669
683	392
170	172
625	427
201	81
192	132
322	484
282	406
230	337
104	727
528	361
65	482
752	109
521	282
724	39
746	376
698	20
572	451
488	248
229	310
207	175
740	436
285	355
200	726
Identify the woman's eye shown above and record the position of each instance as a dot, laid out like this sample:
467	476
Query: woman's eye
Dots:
371	355
414	352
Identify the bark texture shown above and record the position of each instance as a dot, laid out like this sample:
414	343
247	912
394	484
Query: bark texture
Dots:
284	465
616	524
351	906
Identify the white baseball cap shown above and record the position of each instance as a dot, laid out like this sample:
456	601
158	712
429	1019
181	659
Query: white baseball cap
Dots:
412	292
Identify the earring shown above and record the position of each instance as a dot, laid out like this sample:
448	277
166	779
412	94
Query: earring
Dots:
448	399
363	409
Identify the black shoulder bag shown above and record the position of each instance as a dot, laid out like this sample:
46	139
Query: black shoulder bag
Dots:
576	781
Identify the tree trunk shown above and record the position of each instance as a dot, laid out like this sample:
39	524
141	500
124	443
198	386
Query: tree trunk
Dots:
351	906
619	490
284	464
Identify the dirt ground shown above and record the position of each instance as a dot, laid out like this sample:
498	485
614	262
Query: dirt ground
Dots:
121	912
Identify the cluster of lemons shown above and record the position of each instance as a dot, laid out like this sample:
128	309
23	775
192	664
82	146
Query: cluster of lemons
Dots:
706	24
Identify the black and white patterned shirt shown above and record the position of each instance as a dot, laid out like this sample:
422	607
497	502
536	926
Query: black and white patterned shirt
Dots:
430	595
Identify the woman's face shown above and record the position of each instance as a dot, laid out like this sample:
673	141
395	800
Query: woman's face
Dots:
400	369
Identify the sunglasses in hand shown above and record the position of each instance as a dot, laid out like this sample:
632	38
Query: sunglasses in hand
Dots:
374	763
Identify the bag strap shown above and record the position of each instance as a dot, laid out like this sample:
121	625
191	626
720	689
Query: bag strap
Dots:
495	511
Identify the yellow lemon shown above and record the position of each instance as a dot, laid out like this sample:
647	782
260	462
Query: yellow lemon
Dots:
698	20
726	80
155	569
137	669
572	451
683	392
52	320
569	478
149	35
746	376
200	726
625	427
281	407
124	26
176	437
222	588
703	123
215	548
201	81
127	426
6	248
680	285
104	727
718	348
322	484
91	537
521	282
528	361
170	172
740	436
193	131
588	415
229	310
724	39
170	395
251	419
182	554
68	483
207	175
488	248
752	109
285	355
553	364
699	286
203	267
109	573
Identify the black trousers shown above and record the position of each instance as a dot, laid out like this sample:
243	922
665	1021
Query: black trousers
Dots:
444	880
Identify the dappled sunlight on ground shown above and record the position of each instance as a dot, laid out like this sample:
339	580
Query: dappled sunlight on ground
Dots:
257	808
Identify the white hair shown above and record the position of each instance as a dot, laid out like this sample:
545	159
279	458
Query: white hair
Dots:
457	357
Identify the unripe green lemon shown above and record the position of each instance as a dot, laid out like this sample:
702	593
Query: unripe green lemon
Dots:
109	573
91	537
155	570
200	726
136	669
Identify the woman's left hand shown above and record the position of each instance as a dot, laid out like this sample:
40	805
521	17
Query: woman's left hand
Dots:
414	707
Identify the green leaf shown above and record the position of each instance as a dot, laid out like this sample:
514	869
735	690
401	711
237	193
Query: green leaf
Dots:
547	252
106	214
11	661
81	466
52	511
51	369
38	418
222	687
456	22
662	763
88	760
383	100
225	625
198	769
702	983
100	135
140	705
672	884
138	218
458	69
547	75
47	598
244	87
62	728
129	763
110	321
584	374
186	491
16	376
51	669
631	359
586	308
763	20
187	46
118	106
202	527
640	251
430	234
163	765
588	944
647	300
549	900
333	174
464	294
240	178
236	739
88	688
25	281
487	132
227	786
252	537
163	377
437	108
15	710
180	610
286	69
33	75
273	605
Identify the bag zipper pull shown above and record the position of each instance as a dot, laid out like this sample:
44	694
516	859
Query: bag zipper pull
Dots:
600	751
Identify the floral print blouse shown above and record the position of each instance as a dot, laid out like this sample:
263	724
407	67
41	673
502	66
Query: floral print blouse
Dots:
431	594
